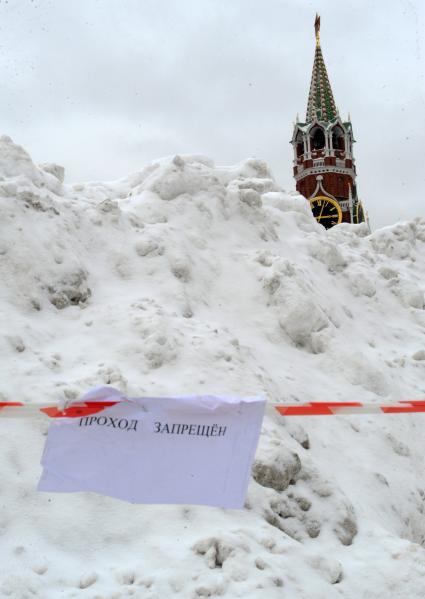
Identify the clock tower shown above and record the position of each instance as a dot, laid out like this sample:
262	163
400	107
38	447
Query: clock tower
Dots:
324	166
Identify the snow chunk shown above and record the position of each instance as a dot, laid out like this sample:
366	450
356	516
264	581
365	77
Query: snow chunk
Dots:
71	289
395	242
278	471
178	177
54	169
15	161
301	318
217	550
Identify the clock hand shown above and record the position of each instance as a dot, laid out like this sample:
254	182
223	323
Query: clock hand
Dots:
320	215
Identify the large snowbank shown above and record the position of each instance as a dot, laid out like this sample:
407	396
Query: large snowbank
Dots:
190	278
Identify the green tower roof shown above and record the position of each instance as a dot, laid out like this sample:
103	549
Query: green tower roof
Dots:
321	103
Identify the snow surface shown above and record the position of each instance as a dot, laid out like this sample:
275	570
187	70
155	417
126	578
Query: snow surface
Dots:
186	278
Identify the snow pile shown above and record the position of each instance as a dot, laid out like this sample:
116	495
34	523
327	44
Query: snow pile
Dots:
189	278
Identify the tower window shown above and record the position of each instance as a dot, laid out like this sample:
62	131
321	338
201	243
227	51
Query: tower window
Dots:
299	144
318	139
338	142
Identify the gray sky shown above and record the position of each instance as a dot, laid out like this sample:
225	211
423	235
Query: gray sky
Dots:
104	86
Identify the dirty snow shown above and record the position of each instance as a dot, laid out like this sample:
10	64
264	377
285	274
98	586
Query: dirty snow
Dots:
187	278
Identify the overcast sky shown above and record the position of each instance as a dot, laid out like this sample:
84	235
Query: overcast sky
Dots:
104	86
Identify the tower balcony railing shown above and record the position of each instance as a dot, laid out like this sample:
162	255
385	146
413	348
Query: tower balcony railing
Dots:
317	161
300	159
319	169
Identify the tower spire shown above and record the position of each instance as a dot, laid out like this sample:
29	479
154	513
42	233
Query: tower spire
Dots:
321	103
317	29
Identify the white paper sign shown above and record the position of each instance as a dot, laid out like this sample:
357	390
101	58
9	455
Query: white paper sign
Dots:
195	450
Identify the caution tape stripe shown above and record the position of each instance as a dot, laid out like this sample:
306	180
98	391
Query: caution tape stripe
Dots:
342	408
76	410
330	408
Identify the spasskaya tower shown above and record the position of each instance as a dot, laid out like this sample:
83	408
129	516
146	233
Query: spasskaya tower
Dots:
324	166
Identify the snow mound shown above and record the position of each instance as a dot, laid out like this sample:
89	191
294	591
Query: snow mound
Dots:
184	278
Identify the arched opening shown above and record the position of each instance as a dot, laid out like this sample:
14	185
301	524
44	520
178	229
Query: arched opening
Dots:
317	139
340	187
299	144
338	140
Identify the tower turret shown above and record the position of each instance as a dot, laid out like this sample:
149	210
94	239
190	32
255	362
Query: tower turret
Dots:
324	166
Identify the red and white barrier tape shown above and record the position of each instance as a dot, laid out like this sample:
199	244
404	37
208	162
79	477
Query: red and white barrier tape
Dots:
15	409
331	408
323	408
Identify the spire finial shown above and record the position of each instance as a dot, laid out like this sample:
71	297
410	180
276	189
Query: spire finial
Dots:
321	103
317	29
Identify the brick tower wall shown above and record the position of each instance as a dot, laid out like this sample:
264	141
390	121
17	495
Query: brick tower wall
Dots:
334	183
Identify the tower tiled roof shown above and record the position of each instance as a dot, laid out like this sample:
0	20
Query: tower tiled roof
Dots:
321	103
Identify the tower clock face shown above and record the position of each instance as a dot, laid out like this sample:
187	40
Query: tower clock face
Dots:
326	211
359	216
